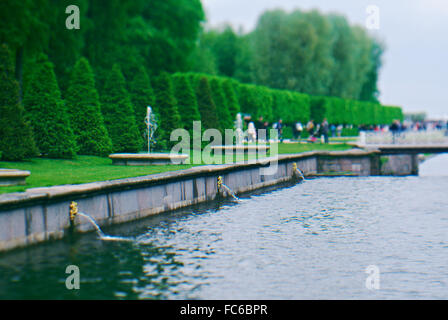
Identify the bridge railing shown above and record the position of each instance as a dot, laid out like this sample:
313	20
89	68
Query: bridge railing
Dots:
433	137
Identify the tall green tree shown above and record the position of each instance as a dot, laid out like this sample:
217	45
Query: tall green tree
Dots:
25	29
175	26
48	114
166	107
225	47
370	91
186	101
84	108
225	120
142	96
118	113
206	105
65	47
16	138
232	100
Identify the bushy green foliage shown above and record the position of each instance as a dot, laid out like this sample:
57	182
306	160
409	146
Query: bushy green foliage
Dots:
16	138
206	105
305	51
166	108
118	114
232	100
47	113
142	96
186	101
292	106
319	109
225	120
83	105
392	113
248	99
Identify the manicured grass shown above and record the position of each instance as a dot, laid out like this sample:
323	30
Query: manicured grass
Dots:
285	148
84	169
343	139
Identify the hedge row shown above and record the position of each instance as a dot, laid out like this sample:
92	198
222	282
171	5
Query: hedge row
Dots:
86	122
290	106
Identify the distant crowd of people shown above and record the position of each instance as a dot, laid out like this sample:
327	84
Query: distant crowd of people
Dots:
259	130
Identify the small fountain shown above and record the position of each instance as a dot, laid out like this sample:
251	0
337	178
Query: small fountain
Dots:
297	173
151	127
229	191
74	212
239	146
136	159
239	130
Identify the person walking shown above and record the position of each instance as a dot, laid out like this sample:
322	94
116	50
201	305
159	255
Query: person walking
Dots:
310	130
298	128
259	125
325	129
280	130
394	128
251	132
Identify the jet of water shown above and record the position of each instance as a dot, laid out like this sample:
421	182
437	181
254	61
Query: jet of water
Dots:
100	232
301	174
231	192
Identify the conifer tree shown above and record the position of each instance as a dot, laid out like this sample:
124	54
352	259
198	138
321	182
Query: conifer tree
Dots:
118	114
16	137
47	113
186	102
142	96
166	108
225	121
231	98
206	105
84	108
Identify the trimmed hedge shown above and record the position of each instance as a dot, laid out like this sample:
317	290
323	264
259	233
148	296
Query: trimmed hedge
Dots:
291	106
84	108
16	136
187	104
118	113
47	112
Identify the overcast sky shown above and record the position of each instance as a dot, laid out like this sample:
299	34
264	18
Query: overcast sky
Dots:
415	70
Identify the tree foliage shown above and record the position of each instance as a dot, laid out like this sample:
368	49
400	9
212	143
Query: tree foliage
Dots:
186	101
142	96
118	113
83	105
304	51
47	113
16	138
166	107
220	100
206	105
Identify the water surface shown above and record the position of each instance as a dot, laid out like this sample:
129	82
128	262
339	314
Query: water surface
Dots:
310	241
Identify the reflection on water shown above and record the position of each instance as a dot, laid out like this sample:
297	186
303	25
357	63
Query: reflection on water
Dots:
313	240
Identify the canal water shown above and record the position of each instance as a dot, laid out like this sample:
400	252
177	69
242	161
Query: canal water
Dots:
313	240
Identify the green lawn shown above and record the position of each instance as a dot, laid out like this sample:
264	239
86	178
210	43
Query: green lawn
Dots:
286	148
84	169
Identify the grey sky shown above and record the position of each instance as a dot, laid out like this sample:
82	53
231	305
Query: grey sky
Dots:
415	70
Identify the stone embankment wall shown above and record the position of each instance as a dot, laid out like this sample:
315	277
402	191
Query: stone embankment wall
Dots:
42	214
